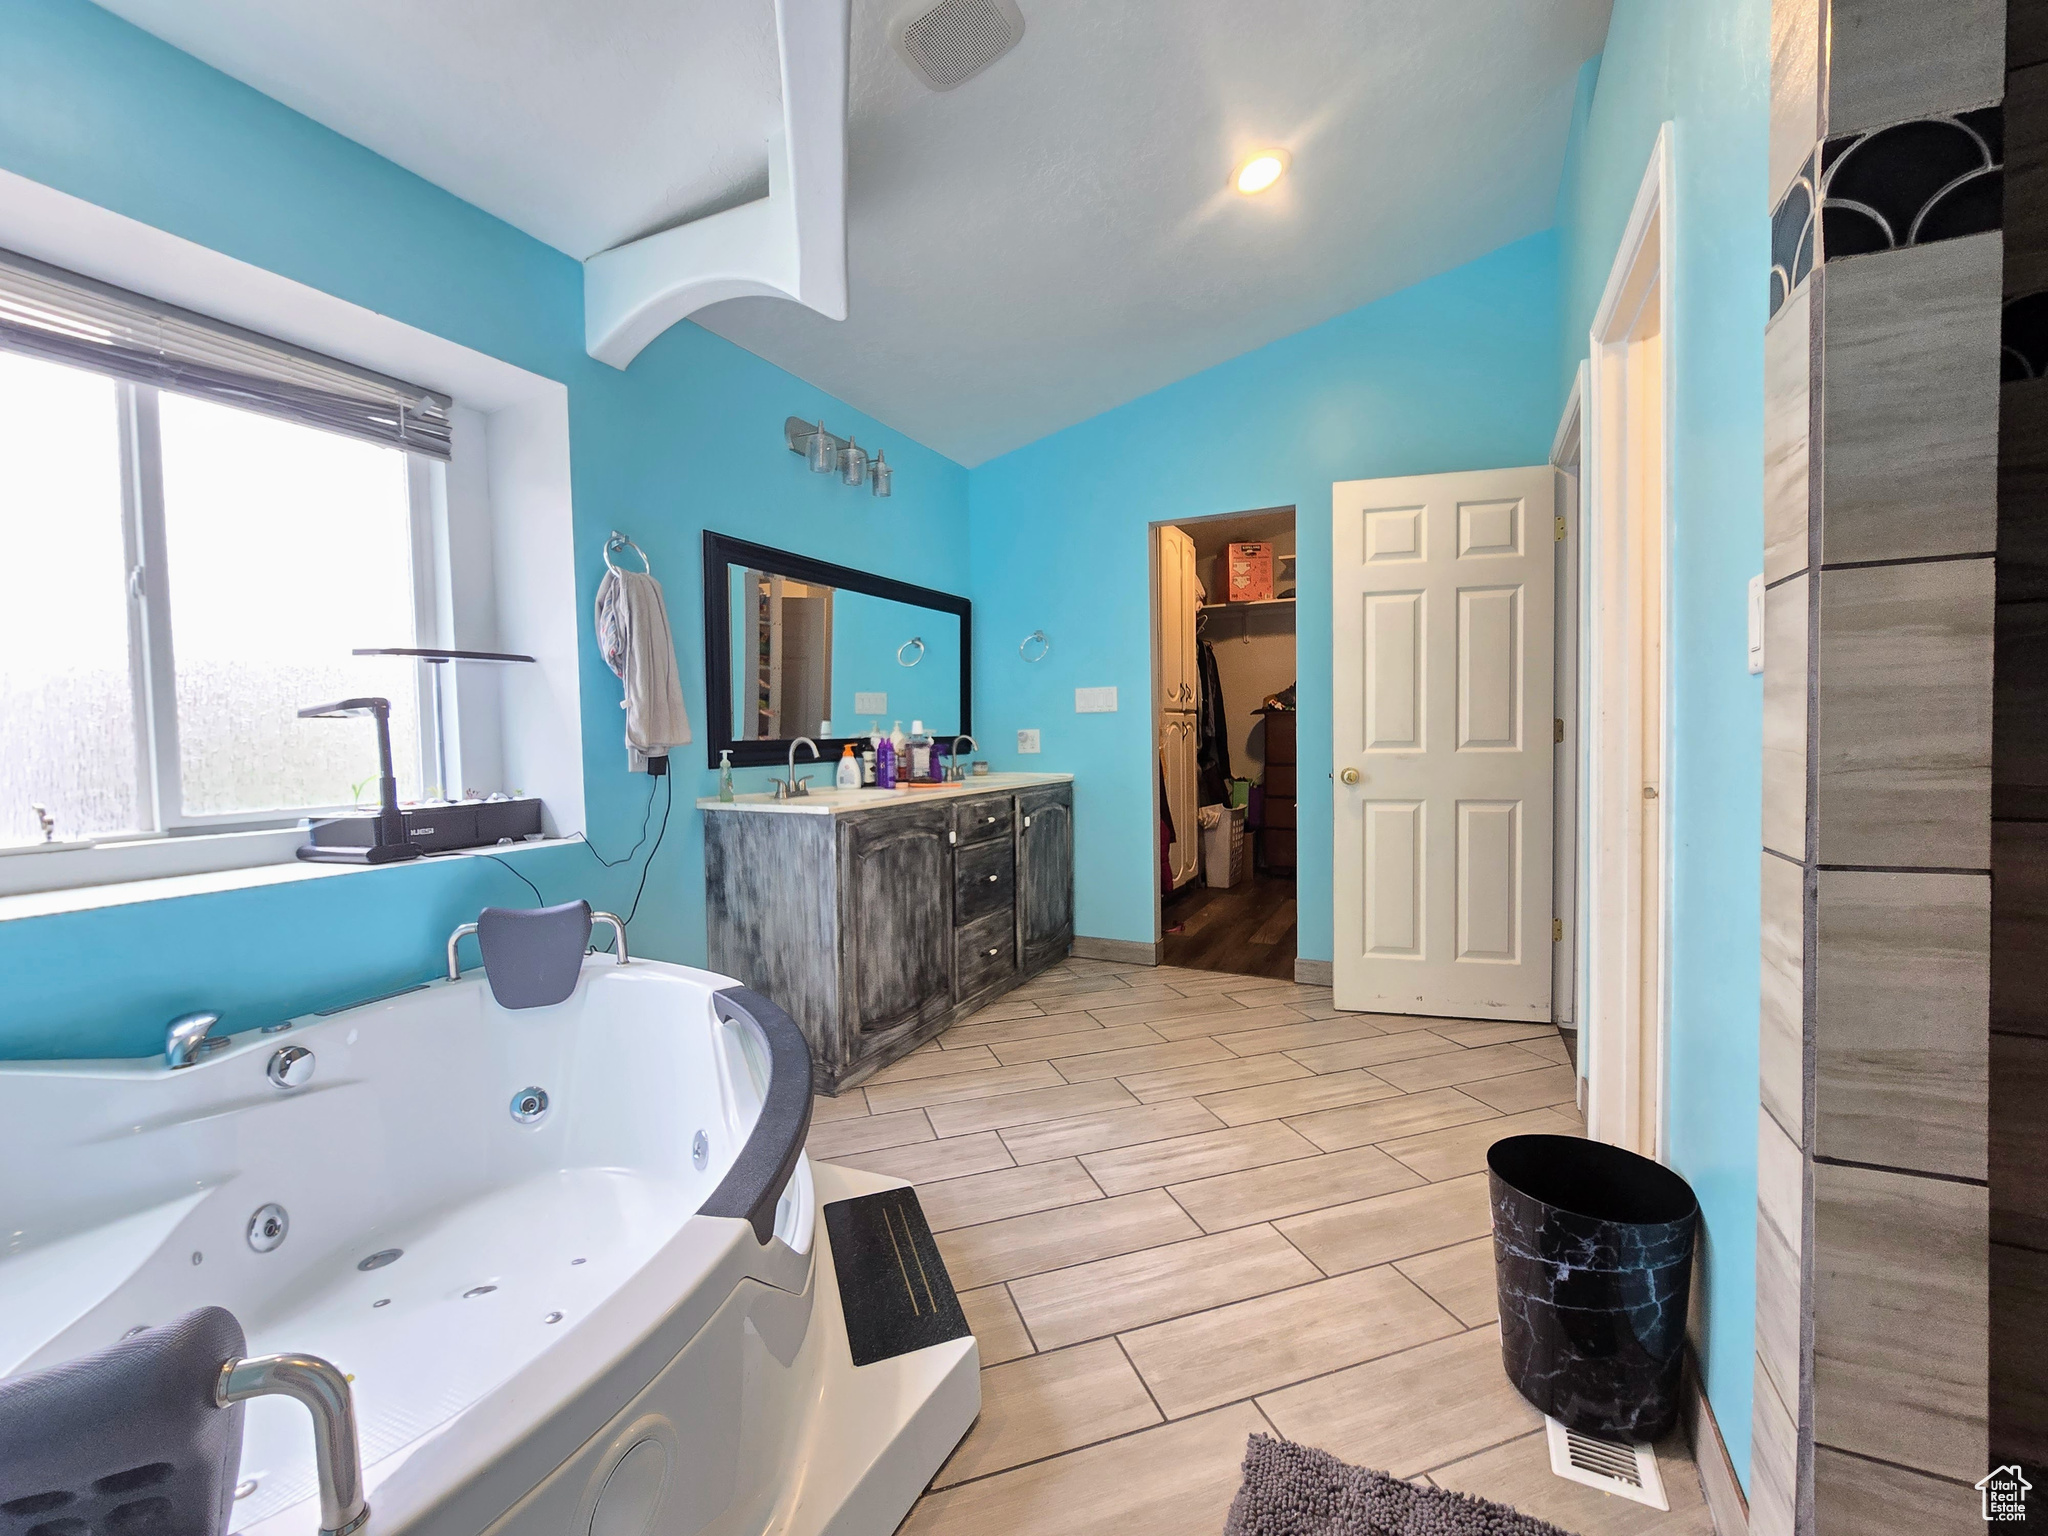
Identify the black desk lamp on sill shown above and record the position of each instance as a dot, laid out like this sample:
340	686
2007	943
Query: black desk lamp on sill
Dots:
388	843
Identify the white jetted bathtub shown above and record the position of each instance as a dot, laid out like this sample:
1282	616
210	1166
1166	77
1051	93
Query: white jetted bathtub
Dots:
521	1298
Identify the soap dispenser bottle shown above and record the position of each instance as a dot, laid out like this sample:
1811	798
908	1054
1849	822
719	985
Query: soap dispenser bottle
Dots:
920	752
901	744
725	777
867	758
848	776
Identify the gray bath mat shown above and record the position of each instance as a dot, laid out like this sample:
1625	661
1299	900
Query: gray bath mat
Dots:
1296	1490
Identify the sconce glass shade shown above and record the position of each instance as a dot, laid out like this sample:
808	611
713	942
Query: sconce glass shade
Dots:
879	474
822	452
853	463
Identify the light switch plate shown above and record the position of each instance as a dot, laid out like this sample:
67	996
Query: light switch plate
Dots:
1094	701
1756	624
871	703
1027	741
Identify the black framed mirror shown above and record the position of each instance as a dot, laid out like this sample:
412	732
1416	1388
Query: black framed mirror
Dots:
800	647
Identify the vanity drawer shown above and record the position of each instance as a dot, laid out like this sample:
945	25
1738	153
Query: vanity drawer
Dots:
984	881
985	954
982	820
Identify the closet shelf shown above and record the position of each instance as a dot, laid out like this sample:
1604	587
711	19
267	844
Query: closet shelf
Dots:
1263	602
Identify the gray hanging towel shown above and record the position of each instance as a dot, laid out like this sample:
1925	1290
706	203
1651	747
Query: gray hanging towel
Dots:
633	634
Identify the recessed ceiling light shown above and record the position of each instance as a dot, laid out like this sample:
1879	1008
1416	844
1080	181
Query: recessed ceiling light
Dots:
1260	171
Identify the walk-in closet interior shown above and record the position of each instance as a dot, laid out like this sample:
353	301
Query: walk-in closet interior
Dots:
1224	697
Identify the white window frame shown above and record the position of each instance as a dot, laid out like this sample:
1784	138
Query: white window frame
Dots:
152	661
507	513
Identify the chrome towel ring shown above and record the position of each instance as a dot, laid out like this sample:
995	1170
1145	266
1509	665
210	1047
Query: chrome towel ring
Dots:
906	645
1036	637
618	543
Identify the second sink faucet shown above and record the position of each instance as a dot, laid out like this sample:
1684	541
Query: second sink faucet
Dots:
796	788
953	769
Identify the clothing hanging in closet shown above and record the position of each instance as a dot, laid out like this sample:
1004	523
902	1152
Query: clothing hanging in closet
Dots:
1212	730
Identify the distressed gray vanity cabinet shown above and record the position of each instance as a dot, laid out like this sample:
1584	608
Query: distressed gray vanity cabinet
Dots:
1045	875
875	923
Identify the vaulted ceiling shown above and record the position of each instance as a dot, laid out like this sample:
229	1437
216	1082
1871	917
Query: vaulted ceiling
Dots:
1048	240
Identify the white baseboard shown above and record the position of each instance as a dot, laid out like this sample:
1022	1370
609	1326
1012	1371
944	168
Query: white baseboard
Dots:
1124	951
1725	1501
1315	973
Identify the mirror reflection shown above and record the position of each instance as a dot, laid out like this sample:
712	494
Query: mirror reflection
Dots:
815	660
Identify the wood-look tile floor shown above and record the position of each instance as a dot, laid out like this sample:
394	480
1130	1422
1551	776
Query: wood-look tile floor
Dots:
1248	929
1183	1206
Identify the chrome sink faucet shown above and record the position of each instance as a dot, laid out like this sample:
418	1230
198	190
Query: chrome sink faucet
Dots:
795	788
186	1039
953	770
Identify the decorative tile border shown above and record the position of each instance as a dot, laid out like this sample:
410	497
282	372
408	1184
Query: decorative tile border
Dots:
1792	237
1935	178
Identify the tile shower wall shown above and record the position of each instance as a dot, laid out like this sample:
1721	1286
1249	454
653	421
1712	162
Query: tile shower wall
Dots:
2019	790
1881	520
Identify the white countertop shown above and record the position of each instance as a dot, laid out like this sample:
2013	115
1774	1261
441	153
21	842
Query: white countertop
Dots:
834	802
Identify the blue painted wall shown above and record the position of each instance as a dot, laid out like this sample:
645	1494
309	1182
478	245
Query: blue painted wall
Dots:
1459	372
1704	66
689	437
1453	373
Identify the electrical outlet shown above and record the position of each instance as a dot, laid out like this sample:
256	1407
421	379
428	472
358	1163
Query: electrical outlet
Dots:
1094	701
871	703
1027	741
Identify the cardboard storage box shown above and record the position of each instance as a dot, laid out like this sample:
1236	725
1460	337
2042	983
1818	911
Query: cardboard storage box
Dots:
1250	573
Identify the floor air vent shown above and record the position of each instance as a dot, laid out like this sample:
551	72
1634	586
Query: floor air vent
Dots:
957	39
1612	1466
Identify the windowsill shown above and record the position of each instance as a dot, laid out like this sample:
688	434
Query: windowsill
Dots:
286	871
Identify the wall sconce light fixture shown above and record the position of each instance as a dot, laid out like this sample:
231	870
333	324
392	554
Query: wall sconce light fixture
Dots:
826	453
822	451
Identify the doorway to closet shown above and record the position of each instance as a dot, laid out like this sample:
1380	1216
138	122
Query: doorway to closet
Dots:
1223	703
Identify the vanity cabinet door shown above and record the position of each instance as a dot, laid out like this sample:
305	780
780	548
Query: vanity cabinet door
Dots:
1045	876
896	923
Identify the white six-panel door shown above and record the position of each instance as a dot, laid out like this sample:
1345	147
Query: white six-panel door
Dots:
1441	736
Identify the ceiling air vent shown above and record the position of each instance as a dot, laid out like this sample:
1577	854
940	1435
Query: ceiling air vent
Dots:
957	39
1612	1466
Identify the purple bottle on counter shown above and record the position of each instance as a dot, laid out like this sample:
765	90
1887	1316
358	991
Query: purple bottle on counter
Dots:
938	762
885	764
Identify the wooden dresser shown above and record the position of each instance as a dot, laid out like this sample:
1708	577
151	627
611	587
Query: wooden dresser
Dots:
1278	819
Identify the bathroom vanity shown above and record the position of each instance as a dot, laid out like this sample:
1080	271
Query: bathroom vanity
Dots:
875	918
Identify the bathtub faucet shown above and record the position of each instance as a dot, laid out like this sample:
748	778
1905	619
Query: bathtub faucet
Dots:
186	1040
324	1390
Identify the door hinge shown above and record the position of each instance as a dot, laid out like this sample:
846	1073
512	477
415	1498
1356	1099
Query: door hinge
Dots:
1560	531
1557	730
1557	930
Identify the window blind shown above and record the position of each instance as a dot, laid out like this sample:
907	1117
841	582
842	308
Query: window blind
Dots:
65	318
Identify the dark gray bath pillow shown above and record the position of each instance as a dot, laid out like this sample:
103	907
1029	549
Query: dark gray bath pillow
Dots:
532	955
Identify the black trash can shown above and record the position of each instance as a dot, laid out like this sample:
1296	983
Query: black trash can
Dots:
1592	1252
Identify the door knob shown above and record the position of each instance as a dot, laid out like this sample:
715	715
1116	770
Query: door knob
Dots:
1349	775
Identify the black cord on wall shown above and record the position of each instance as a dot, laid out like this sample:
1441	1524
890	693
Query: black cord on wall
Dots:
646	821
667	801
537	897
